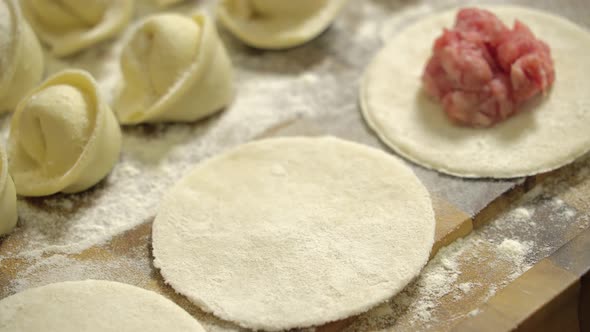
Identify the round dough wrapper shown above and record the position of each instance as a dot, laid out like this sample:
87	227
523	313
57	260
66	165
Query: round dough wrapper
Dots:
551	133
271	24
93	306
8	210
63	137
69	26
294	232
175	68
21	58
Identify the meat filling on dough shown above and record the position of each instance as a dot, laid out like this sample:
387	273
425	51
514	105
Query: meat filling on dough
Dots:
482	71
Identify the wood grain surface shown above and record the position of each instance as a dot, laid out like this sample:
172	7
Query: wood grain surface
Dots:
127	257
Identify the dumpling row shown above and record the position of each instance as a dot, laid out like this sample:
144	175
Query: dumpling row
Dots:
21	68
64	137
68	26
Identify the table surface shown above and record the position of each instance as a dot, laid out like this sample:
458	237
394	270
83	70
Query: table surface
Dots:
470	270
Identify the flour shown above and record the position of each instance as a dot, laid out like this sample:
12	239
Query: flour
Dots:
521	214
513	250
466	287
154	156
474	312
472	268
58	268
442	284
274	90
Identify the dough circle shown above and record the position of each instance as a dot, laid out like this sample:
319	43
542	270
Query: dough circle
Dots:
552	133
271	24
93	305
294	232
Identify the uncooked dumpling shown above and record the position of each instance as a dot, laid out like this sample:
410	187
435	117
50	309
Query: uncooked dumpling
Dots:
68	26
277	24
552	132
93	306
63	137
175	68
293	232
8	214
21	58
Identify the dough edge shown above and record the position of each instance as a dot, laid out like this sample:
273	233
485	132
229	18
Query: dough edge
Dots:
313	27
304	323
95	286
105	138
382	134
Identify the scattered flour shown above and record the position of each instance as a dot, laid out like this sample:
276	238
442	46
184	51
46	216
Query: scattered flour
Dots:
466	287
442	284
479	265
474	313
58	268
491	292
522	214
512	249
437	279
156	156
271	91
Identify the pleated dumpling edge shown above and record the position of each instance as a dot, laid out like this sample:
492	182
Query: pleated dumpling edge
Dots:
63	137
69	26
175	69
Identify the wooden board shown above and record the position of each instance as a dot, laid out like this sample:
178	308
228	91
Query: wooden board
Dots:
551	296
135	247
127	257
132	250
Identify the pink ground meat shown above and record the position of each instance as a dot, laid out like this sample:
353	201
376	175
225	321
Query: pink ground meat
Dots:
482	71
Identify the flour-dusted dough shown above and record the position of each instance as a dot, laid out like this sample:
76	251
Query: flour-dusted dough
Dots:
551	134
294	232
272	24
69	26
8	214
93	305
175	68
21	58
63	137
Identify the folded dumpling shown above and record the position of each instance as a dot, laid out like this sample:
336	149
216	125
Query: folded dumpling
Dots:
277	24
68	26
63	137
8	214
175	68
21	58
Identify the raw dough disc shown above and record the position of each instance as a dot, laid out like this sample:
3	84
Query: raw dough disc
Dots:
294	232
549	135
92	305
